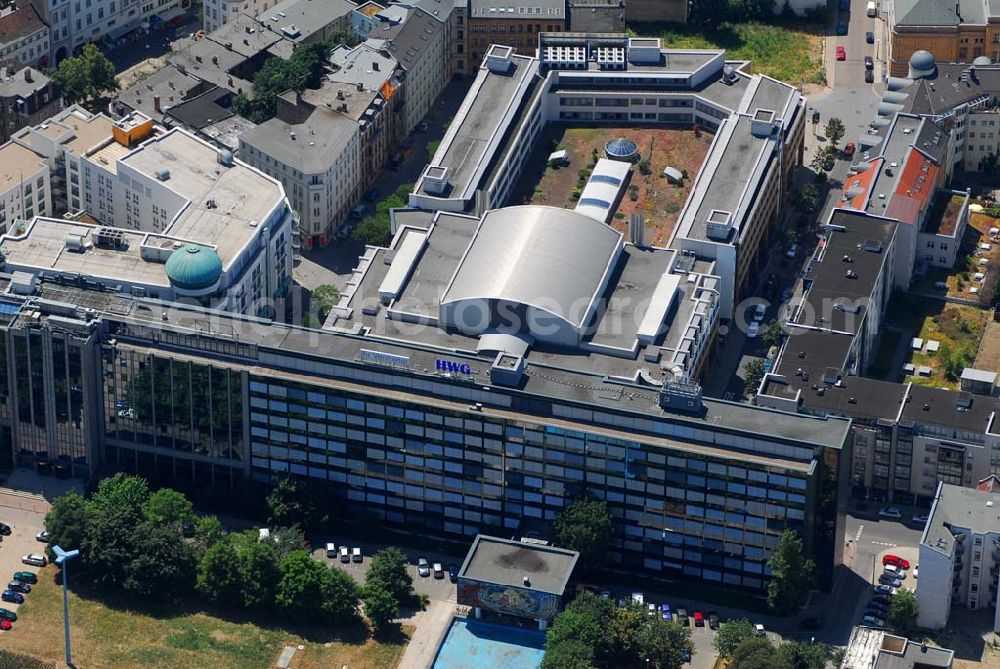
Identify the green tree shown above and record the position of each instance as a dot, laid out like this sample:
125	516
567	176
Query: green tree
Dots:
219	579
85	77
663	643
257	565
771	335
753	372
569	654
903	610
758	653
122	493
208	530
287	539
835	130
324	298
792	575
625	624
67	521
381	607
162	565
169	507
293	502
799	655
308	589
388	571
585	526
731	634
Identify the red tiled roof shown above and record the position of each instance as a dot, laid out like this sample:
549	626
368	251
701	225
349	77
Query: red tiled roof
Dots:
915	188
862	181
989	484
20	23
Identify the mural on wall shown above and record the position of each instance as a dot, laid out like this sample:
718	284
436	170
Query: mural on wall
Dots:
508	600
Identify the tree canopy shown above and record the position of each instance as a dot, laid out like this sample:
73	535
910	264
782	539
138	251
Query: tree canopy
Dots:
381	607
585	526
86	76
388	571
792	575
277	75
376	230
903	610
731	634
835	130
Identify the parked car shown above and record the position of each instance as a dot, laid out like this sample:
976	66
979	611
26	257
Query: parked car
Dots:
893	570
34	559
423	567
884	589
869	63
4	529
919	518
895	561
758	312
7	614
886	579
841	53
890	512
872	621
19	586
453	575
5	624
713	620
880	599
916	570
792	250
869	77
849	149
438	570
842	27
638	598
42	536
356	554
25	576
870	37
12	596
877	610
758	629
345	554
665	612
753	330
682	617
331	549
699	619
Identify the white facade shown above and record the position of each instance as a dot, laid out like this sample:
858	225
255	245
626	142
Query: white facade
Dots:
217	13
25	190
982	139
29	38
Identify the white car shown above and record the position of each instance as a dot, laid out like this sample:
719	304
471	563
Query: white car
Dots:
758	629
890	512
894	571
345	554
916	570
637	598
423	567
753	330
438	570
759	311
331	550
792	250
356	554
872	621
42	536
34	559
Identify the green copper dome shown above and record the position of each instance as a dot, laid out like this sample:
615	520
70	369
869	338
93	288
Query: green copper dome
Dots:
194	267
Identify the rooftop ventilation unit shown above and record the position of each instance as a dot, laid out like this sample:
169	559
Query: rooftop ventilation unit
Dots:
730	75
872	246
291	31
719	224
499	58
436	180
963	400
762	123
644	51
163	175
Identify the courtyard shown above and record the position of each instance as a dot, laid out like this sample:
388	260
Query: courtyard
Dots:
974	276
649	193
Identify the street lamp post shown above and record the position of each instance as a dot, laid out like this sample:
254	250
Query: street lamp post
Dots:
62	559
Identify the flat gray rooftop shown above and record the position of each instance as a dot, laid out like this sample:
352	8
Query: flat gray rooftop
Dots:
506	562
894	150
962	508
633	282
446	245
487	111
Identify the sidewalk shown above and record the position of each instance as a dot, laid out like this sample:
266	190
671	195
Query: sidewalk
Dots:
430	626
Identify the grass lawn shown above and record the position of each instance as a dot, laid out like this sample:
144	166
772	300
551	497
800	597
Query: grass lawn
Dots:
181	637
791	54
955	326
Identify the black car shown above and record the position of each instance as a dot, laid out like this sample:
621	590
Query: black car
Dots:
877	610
869	63
881	599
5	529
842	26
682	617
870	37
19	586
8	614
869	77
713	620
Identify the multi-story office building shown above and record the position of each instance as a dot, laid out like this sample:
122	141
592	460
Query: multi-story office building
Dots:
960	553
511	23
217	13
27	97
24	37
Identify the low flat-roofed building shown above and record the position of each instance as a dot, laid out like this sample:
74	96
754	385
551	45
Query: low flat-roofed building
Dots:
25	189
872	648
504	579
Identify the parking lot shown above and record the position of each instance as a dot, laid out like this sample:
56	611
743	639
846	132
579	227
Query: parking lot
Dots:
24	524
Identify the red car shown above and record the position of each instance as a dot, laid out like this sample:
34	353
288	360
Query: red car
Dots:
841	53
849	149
699	619
896	561
5	624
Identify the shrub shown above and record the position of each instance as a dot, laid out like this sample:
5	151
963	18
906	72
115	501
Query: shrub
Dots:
672	208
575	194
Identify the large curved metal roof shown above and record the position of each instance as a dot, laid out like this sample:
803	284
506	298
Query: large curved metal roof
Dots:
549	258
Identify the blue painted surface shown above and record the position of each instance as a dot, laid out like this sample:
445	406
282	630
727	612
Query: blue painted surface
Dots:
471	644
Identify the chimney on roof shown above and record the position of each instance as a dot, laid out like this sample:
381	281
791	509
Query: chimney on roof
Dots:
156	103
27	74
527	582
375	65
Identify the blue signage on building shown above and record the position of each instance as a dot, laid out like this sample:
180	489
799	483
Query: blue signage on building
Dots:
453	367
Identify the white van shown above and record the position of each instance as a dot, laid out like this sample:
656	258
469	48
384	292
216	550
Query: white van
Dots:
871	9
331	550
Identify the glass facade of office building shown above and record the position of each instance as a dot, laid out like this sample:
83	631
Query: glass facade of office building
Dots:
456	473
